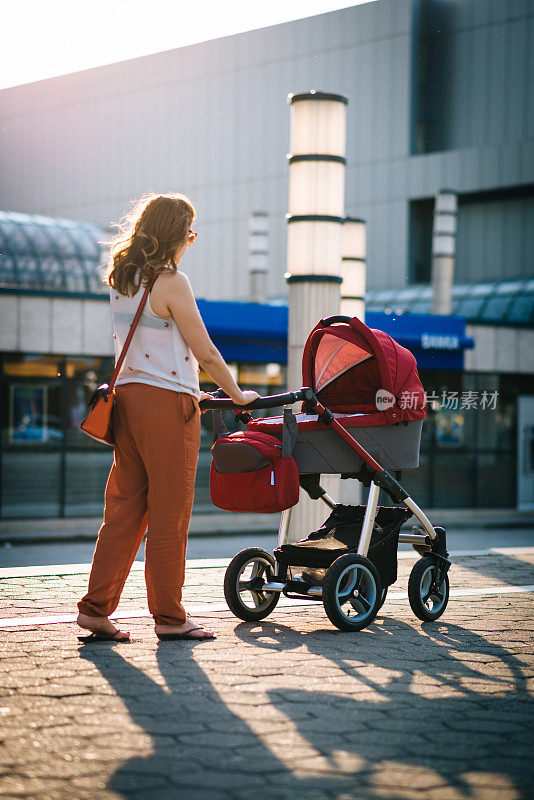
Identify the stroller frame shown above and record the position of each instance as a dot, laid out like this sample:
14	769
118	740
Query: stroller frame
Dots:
428	588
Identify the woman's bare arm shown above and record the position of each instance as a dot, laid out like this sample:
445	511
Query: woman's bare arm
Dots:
181	303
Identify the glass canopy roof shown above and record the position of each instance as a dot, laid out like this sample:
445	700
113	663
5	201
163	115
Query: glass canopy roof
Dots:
499	303
53	255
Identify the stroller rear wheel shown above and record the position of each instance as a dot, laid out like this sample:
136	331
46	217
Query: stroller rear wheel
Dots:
247	572
352	592
428	598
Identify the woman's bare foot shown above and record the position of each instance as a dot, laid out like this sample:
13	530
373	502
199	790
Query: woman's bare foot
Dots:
99	625
189	630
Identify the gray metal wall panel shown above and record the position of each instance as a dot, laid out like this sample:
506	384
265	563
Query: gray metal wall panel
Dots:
248	148
495	239
479	53
528	84
497	81
516	97
212	120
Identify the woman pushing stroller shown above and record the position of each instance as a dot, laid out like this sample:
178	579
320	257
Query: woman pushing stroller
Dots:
156	420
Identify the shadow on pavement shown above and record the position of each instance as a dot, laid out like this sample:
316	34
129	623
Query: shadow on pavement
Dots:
203	751
461	738
507	569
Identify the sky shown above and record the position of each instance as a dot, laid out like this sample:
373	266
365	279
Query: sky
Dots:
45	38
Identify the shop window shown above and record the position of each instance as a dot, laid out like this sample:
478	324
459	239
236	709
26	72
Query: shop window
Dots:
83	377
264	378
32	436
31	402
450	430
31	482
86	473
30	417
29	366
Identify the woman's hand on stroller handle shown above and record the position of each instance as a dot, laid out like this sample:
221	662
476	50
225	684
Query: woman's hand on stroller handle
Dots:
219	400
247	396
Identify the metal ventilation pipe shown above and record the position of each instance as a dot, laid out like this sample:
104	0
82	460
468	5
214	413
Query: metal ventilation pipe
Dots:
353	249
315	221
258	256
443	250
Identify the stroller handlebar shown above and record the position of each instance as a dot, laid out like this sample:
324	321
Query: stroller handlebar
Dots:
221	401
333	319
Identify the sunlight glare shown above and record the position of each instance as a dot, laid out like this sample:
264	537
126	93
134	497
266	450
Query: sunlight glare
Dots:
46	39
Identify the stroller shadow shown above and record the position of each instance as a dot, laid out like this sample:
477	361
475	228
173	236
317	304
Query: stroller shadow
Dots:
465	738
202	749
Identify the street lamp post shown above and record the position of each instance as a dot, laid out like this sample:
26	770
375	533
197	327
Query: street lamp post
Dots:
258	255
353	252
315	220
443	251
353	245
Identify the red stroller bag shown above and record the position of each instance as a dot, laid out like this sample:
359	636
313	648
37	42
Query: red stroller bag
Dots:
255	472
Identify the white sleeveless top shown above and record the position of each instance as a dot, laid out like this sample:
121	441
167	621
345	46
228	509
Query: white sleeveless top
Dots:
158	354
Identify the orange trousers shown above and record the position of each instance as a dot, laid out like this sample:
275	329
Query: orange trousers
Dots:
151	483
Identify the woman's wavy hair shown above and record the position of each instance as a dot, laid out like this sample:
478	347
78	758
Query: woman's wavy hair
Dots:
147	239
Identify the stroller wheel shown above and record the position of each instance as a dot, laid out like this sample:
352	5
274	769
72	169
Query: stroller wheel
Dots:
243	581
427	600
352	592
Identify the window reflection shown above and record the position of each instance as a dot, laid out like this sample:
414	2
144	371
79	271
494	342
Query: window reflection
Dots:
31	402
83	377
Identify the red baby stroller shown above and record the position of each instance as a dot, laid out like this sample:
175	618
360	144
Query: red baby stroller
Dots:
363	408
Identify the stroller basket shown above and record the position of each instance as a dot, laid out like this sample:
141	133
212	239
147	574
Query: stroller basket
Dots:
340	534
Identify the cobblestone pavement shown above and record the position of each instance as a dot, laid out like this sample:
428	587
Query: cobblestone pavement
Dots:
286	708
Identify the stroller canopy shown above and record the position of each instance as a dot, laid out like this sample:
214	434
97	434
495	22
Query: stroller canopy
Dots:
355	369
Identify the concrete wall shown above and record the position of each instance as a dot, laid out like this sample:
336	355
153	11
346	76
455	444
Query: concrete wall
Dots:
499	349
55	325
212	120
84	327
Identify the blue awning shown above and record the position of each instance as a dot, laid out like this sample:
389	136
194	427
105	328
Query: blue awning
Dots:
257	333
437	342
247	332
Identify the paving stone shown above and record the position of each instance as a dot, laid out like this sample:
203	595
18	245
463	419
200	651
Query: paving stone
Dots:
288	707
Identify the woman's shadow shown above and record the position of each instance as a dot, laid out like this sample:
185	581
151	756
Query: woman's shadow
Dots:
201	749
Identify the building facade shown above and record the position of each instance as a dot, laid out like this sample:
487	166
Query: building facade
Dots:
439	97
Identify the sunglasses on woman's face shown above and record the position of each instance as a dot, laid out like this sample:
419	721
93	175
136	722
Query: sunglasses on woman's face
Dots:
191	237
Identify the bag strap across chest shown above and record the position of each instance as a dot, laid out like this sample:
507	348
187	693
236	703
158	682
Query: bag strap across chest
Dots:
133	326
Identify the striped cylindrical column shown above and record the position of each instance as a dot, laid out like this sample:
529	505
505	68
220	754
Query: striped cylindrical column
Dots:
258	255
443	250
353	251
315	221
353	245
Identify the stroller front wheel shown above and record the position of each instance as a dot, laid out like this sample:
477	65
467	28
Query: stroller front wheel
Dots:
352	592
247	572
428	600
